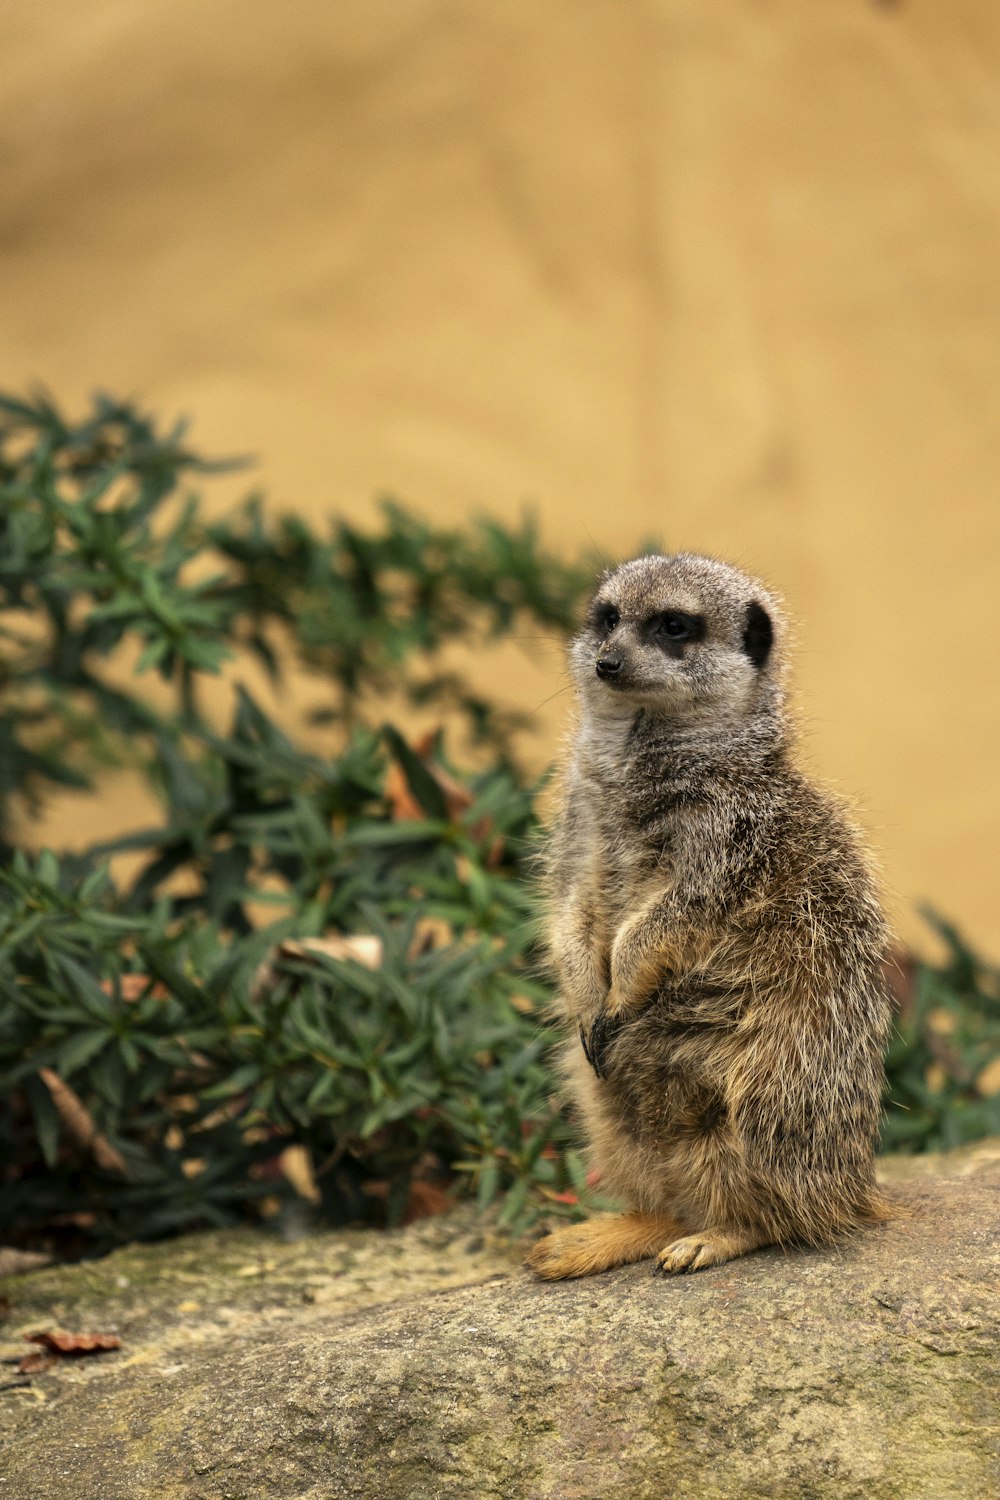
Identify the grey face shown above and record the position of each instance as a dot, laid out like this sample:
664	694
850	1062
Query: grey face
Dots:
685	635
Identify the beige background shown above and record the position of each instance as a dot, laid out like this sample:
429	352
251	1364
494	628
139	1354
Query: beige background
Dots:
723	270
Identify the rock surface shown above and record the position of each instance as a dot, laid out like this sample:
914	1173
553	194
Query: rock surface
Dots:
427	1364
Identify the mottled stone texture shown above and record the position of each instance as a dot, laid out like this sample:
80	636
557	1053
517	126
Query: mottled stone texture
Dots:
421	1365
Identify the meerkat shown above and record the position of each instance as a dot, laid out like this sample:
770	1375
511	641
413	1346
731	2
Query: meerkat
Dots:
717	935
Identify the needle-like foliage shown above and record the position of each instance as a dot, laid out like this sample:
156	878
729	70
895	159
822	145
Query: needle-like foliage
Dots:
167	1033
133	1012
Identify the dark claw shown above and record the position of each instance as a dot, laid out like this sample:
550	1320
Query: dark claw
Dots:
602	1034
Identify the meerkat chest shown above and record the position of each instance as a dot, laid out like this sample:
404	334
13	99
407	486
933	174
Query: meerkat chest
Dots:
622	862
619	879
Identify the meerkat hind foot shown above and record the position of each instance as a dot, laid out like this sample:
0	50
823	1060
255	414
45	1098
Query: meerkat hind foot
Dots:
709	1248
599	1244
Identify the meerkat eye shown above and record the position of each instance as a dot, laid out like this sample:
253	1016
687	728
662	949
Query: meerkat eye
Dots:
674	625
605	617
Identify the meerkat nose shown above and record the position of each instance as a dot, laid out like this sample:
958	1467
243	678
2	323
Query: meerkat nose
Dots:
609	666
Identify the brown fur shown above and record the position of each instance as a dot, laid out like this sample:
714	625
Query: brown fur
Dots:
718	939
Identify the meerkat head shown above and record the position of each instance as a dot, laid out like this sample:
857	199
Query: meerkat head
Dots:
684	636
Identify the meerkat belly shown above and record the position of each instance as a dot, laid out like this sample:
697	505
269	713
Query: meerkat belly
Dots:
658	1121
667	1080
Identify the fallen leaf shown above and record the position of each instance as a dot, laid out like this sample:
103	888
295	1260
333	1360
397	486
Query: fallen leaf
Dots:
405	807
134	986
362	947
429	933
35	1363
61	1342
456	797
426	1199
296	1164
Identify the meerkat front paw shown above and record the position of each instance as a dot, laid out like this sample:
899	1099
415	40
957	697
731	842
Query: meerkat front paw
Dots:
619	1002
709	1248
598	1038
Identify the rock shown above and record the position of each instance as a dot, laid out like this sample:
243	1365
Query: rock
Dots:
16	1262
424	1364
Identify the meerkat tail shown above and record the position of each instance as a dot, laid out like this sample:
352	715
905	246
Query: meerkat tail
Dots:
582	1249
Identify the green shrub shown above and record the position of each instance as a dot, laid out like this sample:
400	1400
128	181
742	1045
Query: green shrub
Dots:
139	996
97	543
943	1063
154	1069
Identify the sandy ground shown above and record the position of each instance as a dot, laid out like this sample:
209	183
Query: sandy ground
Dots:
717	270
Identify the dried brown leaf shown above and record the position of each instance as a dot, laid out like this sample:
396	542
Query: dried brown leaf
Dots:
296	1164
78	1121
426	1199
62	1342
429	933
364	948
134	986
405	807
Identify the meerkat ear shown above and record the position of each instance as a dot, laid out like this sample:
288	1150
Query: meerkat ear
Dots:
758	634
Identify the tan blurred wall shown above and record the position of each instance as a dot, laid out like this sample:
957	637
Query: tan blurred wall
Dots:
721	270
